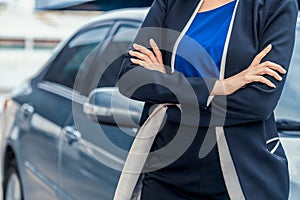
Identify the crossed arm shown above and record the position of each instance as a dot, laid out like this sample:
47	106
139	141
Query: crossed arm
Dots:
246	92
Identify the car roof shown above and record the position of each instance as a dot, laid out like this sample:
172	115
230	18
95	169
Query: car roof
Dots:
126	13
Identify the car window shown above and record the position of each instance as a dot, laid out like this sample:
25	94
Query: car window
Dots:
288	106
66	66
114	54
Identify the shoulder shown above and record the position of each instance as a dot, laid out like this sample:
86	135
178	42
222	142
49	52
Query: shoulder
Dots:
282	4
265	4
272	2
270	8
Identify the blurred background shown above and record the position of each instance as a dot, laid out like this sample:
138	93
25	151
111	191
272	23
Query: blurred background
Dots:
31	29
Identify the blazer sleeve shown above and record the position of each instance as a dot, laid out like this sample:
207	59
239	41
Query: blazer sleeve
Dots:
257	101
155	87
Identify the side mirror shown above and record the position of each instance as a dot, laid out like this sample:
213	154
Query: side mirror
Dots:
109	106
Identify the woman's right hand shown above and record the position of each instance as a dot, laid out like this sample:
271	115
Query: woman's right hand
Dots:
254	73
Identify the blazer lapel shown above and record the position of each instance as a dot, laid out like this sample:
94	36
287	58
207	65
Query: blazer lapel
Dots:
177	19
188	18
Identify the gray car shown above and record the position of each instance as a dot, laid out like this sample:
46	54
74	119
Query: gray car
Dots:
67	131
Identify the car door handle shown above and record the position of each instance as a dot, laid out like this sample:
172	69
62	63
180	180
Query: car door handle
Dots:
71	135
27	110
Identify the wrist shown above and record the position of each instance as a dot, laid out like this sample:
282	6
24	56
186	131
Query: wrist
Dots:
219	88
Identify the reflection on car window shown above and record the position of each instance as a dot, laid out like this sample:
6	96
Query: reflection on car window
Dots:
289	106
68	63
125	34
114	54
90	37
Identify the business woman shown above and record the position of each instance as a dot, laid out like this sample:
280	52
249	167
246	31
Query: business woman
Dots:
237	50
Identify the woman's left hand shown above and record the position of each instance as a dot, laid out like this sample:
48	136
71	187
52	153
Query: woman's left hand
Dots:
148	59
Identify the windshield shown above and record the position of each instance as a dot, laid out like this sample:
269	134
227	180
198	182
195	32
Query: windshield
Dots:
289	103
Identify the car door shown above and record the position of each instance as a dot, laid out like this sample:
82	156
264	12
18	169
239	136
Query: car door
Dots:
46	108
91	154
287	116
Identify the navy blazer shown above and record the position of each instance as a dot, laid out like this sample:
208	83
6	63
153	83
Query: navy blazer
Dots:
252	159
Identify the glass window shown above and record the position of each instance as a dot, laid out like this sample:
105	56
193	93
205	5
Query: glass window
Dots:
288	106
68	64
94	36
114	54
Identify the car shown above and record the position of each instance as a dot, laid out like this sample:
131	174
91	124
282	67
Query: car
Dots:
66	132
54	147
287	117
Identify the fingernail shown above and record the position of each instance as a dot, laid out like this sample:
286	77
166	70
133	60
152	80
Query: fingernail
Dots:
135	45
270	46
151	40
274	86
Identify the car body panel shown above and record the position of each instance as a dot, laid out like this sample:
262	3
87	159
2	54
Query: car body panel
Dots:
49	166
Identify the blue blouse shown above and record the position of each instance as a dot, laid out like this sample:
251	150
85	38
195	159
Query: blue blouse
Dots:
199	53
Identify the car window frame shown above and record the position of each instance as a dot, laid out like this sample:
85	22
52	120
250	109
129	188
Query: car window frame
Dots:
117	24
53	68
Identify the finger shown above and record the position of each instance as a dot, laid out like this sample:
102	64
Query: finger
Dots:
145	51
142	63
139	55
263	80
273	66
156	50
268	71
261	55
138	62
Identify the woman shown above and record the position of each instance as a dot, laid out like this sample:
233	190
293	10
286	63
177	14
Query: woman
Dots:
234	55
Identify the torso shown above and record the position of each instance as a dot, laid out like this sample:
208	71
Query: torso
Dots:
182	175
